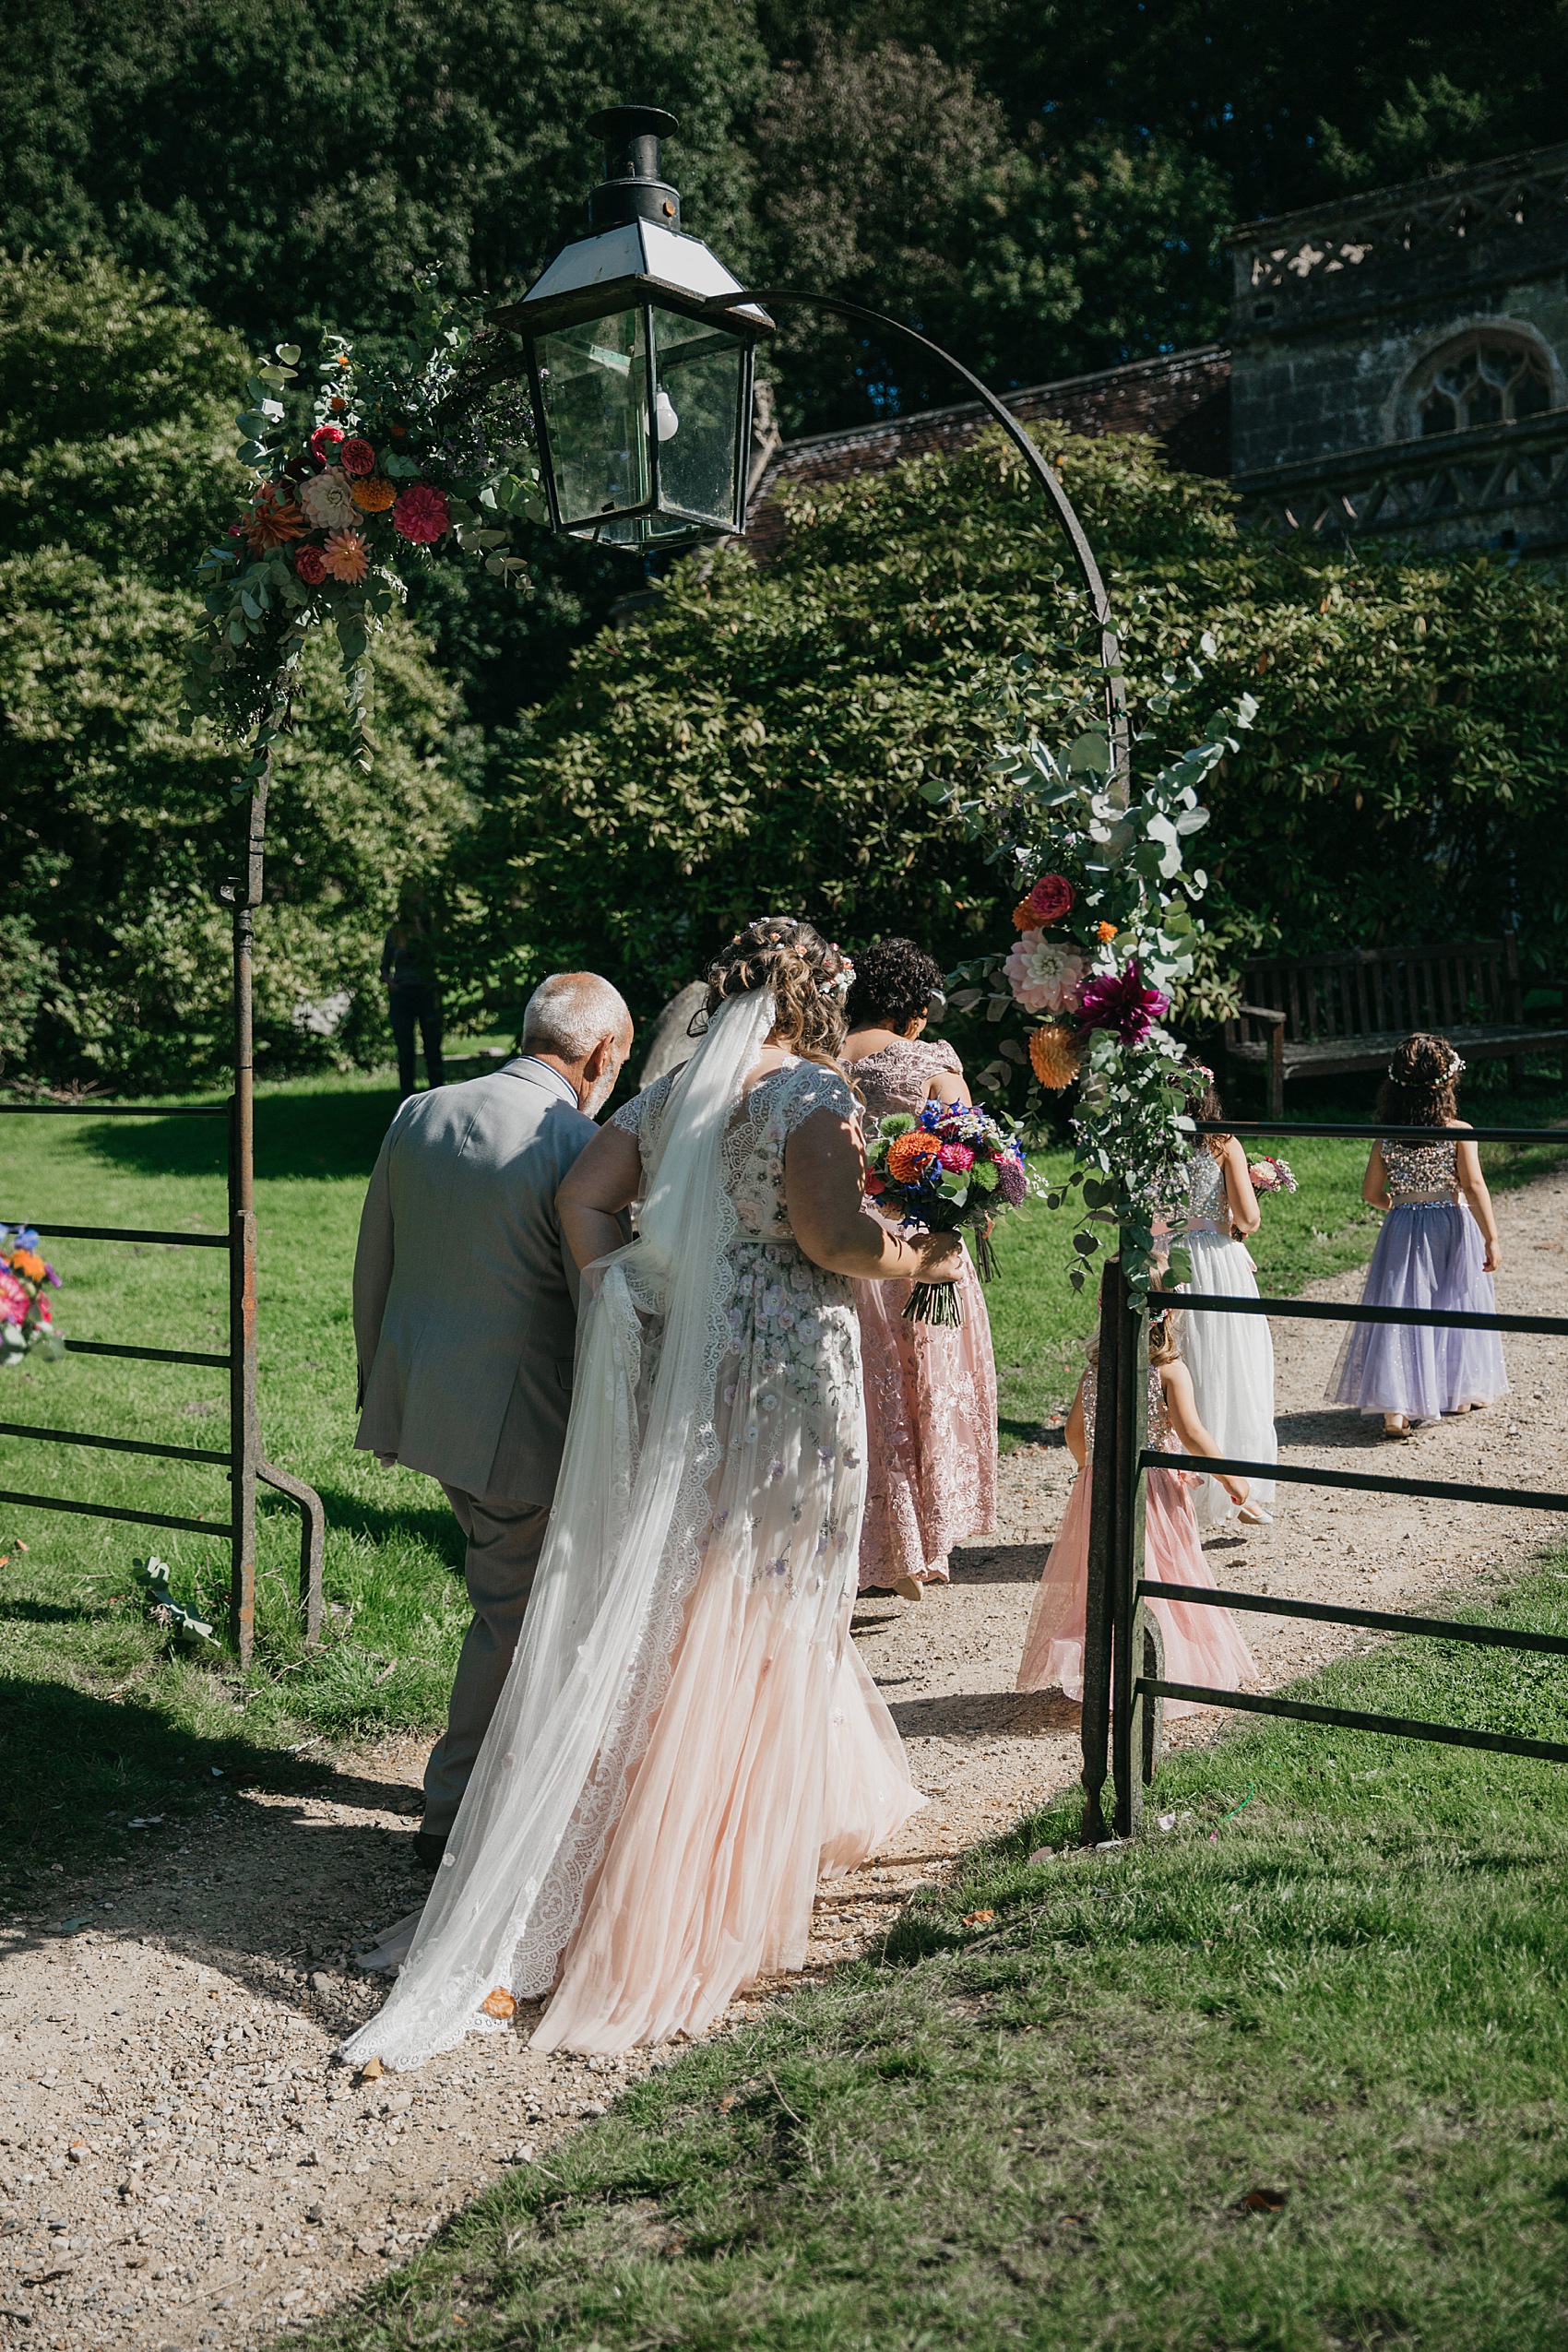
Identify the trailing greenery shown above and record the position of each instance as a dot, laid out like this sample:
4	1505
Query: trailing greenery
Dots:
114	442
783	730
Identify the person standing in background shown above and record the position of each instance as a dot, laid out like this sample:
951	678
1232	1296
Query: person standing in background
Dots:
408	967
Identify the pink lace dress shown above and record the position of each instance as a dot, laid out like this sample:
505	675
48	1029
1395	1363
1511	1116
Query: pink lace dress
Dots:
1202	1645
930	1390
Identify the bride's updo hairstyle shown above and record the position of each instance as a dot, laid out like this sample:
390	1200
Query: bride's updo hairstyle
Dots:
1421	1088
808	979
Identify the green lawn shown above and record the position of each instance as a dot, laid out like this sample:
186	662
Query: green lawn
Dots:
104	1718
1034	2116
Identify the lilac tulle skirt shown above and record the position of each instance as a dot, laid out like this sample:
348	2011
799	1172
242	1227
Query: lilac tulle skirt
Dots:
1428	1253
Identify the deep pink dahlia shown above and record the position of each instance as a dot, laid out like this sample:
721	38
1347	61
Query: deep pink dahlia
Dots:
1120	1002
958	1156
357	456
324	441
13	1300
421	514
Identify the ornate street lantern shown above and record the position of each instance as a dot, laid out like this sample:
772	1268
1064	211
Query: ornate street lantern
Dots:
642	394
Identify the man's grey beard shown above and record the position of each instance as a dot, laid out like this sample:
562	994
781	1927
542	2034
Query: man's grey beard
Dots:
592	1103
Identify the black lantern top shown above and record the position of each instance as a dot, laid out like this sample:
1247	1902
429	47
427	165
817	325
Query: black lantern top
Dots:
642	388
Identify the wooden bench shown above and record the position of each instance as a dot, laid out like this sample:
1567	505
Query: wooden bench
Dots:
1319	1015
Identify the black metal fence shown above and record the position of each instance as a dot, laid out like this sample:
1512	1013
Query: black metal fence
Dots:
242	1459
1124	1681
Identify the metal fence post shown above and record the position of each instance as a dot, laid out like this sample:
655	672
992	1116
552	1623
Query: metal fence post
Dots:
244	1437
1127	1611
1102	1474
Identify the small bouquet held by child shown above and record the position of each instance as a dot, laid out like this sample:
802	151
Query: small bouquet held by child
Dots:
1272	1176
27	1320
951	1168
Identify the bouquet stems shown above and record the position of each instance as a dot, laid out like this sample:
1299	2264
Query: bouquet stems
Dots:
935	1302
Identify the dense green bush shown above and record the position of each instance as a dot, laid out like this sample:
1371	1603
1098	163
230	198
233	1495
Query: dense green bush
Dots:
763	735
115	429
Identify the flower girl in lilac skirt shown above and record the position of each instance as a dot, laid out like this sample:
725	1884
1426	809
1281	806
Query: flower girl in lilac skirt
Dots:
1202	1645
1438	1248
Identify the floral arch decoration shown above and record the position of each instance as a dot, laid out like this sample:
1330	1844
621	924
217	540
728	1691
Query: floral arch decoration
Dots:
385	468
1493	373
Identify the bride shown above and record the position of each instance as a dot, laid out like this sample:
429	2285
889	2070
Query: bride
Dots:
688	1737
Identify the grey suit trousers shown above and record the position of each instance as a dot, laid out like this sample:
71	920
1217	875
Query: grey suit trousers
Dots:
505	1542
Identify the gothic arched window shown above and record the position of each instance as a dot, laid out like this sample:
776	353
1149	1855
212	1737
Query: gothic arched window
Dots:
1488	378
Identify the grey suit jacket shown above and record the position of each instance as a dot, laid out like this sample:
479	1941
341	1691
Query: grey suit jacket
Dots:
465	1295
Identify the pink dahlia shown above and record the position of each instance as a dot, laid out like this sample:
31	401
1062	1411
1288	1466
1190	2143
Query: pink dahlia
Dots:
1120	1002
957	1157
13	1300
357	456
1044	974
1052	898
421	514
311	566
323	442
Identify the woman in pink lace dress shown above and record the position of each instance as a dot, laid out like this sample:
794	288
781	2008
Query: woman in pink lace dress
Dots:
930	1389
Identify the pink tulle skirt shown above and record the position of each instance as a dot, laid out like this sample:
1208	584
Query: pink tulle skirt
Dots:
931	1431
1202	1645
772	1761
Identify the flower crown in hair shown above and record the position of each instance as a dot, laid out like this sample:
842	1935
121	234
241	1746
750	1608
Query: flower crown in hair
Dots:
837	989
1454	1070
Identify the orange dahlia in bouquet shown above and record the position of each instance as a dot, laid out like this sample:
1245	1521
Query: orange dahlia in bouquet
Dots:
951	1169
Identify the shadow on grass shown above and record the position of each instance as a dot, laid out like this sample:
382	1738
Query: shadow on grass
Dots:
307	1132
353	1514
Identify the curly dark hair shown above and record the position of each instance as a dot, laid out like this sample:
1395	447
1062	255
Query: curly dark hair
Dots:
785	953
893	984
1421	1088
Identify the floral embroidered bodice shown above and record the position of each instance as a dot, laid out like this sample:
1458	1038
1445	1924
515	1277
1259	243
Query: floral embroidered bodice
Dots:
1420	1171
759	1129
898	1078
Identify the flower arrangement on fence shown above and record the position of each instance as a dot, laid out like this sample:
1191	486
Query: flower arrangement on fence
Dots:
1106	935
379	470
951	1168
26	1319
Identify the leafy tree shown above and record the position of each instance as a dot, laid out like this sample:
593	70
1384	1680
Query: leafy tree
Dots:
769	734
114	433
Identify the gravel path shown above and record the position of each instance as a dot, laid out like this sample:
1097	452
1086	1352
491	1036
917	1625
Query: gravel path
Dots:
180	2166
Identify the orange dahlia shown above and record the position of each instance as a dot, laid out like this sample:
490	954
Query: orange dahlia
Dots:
374	492
1105	931
345	556
1054	1056
908	1155
275	520
1025	917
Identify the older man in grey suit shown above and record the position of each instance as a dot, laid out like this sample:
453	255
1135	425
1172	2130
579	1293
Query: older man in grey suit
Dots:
465	1321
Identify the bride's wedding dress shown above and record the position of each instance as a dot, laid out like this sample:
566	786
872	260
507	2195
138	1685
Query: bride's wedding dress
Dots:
687	1737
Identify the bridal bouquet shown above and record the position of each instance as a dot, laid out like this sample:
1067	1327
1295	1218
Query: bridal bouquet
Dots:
27	1321
951	1168
1272	1176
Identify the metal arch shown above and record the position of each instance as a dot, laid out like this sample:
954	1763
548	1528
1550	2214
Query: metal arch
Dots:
1043	472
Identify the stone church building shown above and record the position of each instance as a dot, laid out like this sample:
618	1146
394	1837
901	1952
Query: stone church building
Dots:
1397	364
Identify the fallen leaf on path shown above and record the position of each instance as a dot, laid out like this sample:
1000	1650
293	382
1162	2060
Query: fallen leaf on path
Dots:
372	2071
499	2004
978	1919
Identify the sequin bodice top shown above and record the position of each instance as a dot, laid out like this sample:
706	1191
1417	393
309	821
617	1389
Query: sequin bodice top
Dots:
1160	1436
1420	1172
1208	1204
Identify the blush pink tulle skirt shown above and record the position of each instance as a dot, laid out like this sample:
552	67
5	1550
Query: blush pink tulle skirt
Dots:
931	1431
1202	1645
772	1761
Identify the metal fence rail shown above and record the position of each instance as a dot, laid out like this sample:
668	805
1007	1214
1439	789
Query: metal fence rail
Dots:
241	1458
1124	1682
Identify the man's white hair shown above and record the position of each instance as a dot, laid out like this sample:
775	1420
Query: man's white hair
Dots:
570	1013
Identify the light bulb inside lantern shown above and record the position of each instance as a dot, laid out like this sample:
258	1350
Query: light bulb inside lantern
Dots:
666	423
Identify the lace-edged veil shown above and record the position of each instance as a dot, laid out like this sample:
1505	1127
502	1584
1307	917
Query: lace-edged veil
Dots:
625	1537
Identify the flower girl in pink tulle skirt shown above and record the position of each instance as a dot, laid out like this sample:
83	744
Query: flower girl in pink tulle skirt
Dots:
1202	1645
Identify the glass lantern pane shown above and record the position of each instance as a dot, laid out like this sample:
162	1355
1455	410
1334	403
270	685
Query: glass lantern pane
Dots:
699	374
594	380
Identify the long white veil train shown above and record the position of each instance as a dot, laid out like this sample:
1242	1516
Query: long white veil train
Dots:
625	1540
